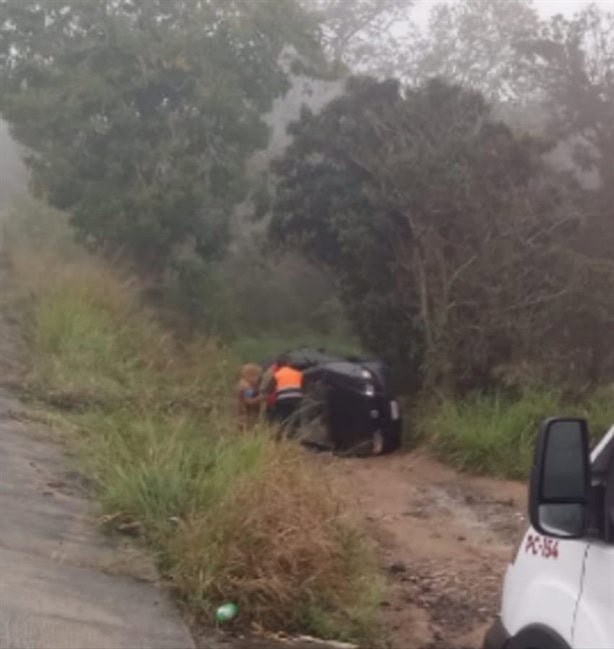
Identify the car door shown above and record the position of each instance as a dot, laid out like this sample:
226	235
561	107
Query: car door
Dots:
594	620
541	591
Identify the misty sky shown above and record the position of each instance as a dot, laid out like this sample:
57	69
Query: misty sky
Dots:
546	8
569	7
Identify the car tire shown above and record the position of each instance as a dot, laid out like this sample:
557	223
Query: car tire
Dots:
392	442
537	635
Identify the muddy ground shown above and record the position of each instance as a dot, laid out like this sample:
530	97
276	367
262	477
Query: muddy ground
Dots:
444	540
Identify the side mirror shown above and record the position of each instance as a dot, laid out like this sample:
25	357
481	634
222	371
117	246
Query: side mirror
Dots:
560	479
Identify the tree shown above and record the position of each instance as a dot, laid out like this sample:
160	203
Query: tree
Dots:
139	115
571	62
446	232
363	35
470	42
473	43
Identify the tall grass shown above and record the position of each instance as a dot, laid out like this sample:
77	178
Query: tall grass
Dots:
495	434
230	515
300	564
598	408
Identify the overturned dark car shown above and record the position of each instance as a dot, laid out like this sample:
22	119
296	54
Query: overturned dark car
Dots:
347	406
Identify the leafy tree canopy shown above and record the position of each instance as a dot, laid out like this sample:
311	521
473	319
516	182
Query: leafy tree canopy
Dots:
139	115
363	35
448	236
473	43
571	63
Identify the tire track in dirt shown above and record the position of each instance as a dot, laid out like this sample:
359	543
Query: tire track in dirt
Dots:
444	539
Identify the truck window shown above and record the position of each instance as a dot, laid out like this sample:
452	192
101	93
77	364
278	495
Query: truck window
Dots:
559	481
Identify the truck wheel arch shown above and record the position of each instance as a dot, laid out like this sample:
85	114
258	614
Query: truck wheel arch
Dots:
537	636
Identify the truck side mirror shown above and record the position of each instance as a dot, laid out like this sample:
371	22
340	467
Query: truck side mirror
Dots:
560	479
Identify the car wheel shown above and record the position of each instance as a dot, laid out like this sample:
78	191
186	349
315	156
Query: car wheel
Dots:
391	442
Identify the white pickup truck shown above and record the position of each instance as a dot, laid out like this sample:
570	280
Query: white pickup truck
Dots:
558	592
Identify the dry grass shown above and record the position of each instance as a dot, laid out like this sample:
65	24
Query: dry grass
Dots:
281	545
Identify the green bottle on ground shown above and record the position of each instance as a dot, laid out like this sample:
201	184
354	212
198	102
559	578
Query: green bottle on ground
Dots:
226	612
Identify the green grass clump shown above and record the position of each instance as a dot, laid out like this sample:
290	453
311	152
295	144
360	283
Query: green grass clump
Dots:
229	514
495	434
157	466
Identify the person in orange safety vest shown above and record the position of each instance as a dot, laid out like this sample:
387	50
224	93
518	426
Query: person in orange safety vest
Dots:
288	393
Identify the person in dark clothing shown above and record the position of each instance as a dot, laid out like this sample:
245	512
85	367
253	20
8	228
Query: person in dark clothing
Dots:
268	390
288	395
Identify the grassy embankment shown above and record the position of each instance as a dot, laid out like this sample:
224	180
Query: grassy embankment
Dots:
495	434
231	516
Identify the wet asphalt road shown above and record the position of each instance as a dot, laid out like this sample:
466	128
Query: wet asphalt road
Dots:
54	592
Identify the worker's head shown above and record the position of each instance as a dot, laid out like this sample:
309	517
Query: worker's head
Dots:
283	360
251	373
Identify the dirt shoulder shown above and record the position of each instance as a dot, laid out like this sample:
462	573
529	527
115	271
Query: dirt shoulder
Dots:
444	539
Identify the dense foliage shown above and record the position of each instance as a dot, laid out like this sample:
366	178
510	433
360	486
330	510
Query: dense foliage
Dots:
454	244
139	115
465	252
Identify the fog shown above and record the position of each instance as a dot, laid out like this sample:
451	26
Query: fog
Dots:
546	8
13	174
314	93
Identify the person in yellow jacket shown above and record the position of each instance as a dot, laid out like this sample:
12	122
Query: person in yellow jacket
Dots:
288	393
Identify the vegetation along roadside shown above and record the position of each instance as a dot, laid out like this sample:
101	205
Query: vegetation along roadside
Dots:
230	516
